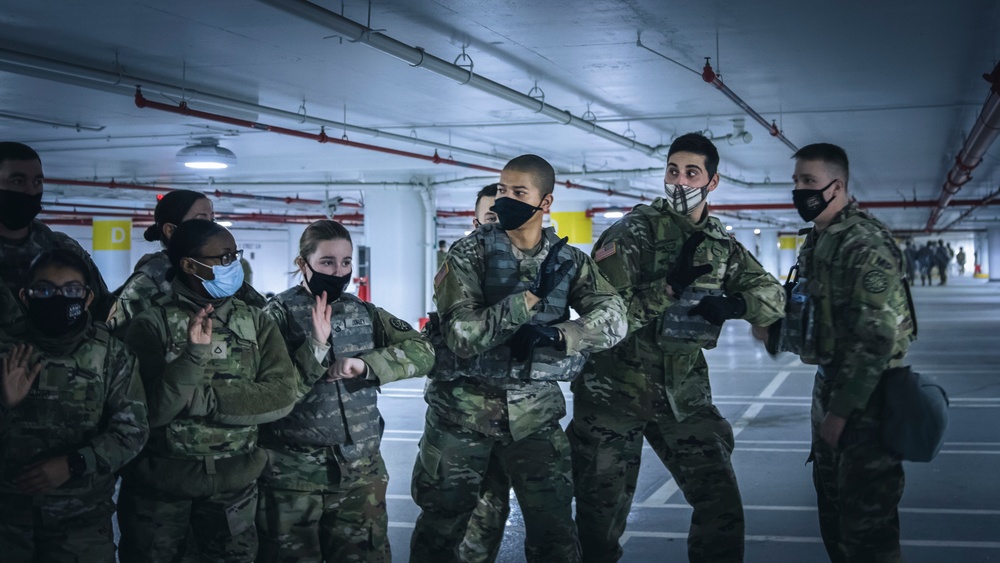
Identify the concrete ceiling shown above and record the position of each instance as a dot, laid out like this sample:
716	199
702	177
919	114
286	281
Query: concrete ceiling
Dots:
898	84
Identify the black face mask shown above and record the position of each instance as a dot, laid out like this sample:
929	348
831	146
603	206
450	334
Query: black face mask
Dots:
810	203
57	315
17	209
512	213
334	286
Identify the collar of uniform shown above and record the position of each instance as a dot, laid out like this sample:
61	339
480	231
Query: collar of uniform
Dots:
61	345
35	228
192	302
840	222
711	226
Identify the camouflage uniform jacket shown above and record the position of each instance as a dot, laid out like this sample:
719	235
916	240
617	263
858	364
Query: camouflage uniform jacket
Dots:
865	324
16	256
87	398
635	255
470	327
301	456
206	400
147	284
11	313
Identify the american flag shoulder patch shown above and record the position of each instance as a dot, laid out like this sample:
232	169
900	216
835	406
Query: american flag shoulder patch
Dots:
442	272
605	251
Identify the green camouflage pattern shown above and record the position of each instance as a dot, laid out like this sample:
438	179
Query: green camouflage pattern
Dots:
471	327
448	477
655	384
16	257
11	312
148	284
607	447
863	316
347	522
395	352
635	255
864	325
157	527
89	399
483	536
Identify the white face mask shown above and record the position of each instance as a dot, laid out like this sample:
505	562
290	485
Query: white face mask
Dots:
683	199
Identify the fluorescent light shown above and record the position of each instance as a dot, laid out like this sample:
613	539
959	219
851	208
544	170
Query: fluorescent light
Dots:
467	233
614	214
756	231
729	227
224	223
206	155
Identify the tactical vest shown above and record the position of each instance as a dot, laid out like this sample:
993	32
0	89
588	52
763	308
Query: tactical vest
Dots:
675	329
235	356
340	413
63	410
798	329
155	266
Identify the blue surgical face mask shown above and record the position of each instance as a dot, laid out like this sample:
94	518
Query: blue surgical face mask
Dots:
228	279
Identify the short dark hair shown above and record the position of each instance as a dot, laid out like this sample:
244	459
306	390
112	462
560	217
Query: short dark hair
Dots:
538	167
58	257
828	153
9	150
487	191
698	144
188	239
171	208
319	231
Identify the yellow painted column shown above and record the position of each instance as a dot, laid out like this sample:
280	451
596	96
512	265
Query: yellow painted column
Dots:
113	249
575	225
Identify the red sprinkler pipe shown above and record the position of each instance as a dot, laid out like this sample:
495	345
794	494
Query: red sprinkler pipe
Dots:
983	133
183	109
708	75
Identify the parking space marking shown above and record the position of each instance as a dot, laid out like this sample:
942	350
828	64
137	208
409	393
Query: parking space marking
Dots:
811	539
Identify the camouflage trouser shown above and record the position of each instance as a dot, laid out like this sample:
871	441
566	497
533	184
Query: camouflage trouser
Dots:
346	525
858	489
607	446
448	476
155	526
481	543
31	529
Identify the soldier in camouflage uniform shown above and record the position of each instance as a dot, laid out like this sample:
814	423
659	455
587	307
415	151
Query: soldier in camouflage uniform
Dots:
854	322
655	383
10	311
503	296
214	369
149	281
22	237
322	495
72	414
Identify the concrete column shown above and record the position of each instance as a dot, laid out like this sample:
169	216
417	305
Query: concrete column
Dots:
980	254
747	238
399	238
788	254
768	256
112	245
993	251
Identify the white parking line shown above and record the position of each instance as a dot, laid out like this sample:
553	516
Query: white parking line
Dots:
812	539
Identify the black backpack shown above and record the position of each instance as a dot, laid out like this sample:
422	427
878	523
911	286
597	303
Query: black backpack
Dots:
914	414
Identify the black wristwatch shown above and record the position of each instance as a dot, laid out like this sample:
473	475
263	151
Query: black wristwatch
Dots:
77	464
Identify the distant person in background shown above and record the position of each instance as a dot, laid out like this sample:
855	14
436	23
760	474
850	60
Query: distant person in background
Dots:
149	280
960	260
441	252
925	261
484	204
942	259
910	257
22	236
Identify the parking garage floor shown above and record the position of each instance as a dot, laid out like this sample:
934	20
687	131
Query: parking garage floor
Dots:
950	510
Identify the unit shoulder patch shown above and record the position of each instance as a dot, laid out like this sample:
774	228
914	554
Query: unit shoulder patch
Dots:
400	325
441	274
607	250
875	281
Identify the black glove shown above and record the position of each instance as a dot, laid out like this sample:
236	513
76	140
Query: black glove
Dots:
522	344
684	272
717	308
550	272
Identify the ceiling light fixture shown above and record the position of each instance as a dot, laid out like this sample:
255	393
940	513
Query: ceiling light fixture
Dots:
206	155
614	213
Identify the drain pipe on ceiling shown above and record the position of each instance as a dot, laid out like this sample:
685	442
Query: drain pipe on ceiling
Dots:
122	83
417	57
709	75
980	139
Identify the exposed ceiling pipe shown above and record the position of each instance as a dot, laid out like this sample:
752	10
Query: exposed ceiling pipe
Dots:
161	189
243	217
986	201
321	137
708	75
415	56
906	204
122	82
980	139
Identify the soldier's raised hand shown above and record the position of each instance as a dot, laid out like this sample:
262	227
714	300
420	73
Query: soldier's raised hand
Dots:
200	326
346	368
550	272
17	375
684	272
321	313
